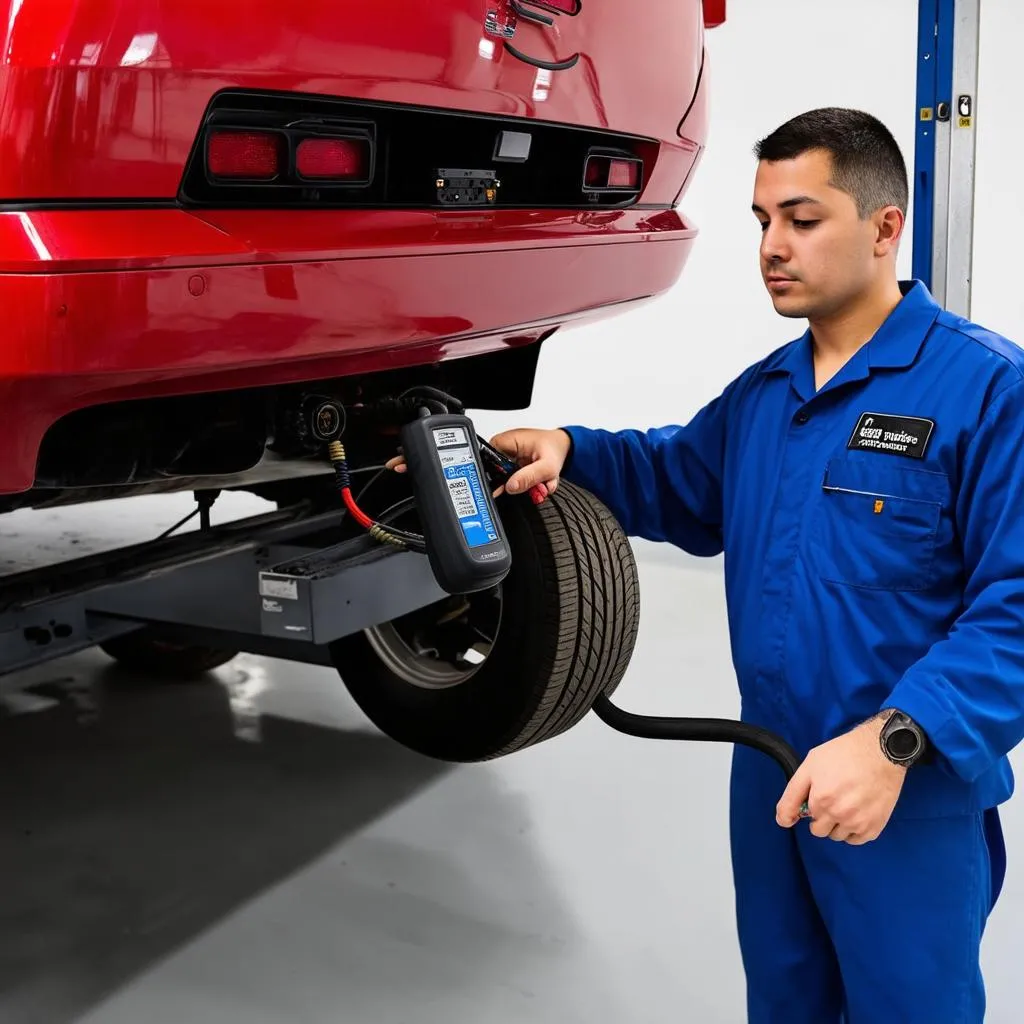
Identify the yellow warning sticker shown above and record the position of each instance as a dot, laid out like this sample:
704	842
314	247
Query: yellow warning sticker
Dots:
927	113
965	122
879	505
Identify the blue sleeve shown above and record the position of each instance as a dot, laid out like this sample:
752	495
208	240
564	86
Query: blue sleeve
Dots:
967	692
664	484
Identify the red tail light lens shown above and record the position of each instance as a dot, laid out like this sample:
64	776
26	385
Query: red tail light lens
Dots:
254	156
624	174
605	172
337	159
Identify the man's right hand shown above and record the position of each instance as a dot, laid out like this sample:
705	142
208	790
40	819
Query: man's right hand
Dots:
540	454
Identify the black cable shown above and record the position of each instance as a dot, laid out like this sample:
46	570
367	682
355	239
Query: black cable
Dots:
714	730
395	510
540	19
451	403
381	470
544	65
179	525
577	7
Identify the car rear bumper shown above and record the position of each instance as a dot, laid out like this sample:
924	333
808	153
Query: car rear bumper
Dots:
106	305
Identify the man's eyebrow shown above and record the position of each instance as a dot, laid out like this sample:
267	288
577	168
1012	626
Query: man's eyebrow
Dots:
786	204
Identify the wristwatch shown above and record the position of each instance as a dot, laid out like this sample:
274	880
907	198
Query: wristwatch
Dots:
903	740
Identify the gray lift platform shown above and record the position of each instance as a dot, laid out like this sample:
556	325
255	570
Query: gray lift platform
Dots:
278	584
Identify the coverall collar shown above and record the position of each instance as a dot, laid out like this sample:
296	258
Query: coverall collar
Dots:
895	344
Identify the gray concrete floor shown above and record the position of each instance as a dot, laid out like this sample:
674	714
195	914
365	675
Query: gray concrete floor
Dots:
249	849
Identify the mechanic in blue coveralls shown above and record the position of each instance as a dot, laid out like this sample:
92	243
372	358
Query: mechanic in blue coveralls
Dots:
866	484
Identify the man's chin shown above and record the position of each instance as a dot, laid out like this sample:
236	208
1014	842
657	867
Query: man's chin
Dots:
789	307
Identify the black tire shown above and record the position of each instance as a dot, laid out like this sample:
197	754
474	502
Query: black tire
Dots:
569	618
145	653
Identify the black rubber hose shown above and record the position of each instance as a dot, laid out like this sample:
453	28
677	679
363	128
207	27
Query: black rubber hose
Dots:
448	402
714	730
541	19
544	65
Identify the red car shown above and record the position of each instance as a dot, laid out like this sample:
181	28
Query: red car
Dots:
212	214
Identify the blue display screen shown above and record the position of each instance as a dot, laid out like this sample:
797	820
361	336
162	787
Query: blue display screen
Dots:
465	487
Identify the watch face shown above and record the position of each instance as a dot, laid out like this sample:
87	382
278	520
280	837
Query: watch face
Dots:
902	743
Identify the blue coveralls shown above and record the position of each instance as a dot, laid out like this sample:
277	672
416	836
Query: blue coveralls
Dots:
874	557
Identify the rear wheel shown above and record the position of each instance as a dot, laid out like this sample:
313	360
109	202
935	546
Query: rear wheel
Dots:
479	677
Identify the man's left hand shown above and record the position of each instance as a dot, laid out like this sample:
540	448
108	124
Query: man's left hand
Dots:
849	786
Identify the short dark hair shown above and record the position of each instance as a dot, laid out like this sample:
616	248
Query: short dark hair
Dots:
866	161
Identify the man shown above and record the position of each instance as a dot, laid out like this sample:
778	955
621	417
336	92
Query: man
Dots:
866	483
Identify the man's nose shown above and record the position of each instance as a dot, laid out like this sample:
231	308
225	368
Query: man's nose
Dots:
773	246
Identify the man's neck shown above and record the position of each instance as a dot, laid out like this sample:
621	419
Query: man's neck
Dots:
837	339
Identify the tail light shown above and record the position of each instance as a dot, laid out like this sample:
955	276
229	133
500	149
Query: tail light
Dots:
294	156
613	173
333	159
251	156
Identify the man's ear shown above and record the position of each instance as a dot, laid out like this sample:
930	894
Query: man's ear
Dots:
889	224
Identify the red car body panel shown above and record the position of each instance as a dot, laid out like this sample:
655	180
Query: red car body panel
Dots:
112	289
118	88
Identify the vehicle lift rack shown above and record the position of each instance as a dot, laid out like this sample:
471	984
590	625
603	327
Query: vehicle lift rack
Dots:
279	584
284	586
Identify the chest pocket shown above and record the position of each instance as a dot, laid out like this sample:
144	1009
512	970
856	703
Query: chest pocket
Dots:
876	525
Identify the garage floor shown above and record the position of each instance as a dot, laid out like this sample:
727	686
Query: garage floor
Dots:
249	850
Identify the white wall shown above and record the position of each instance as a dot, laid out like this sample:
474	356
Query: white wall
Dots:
769	62
998	289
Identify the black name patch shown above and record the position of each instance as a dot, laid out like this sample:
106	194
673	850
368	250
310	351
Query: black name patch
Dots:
892	435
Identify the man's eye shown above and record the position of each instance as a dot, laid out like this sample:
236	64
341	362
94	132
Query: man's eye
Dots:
805	223
764	225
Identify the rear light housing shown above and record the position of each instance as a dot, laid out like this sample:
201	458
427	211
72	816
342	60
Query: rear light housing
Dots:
279	150
613	172
294	156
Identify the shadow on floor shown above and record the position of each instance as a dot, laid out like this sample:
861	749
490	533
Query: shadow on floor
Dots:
126	833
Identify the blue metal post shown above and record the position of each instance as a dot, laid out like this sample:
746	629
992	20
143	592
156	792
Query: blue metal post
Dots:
943	182
923	181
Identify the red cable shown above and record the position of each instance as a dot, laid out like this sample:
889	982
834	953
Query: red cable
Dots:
538	494
357	513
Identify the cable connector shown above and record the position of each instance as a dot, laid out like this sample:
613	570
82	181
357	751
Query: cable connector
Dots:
379	533
336	453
